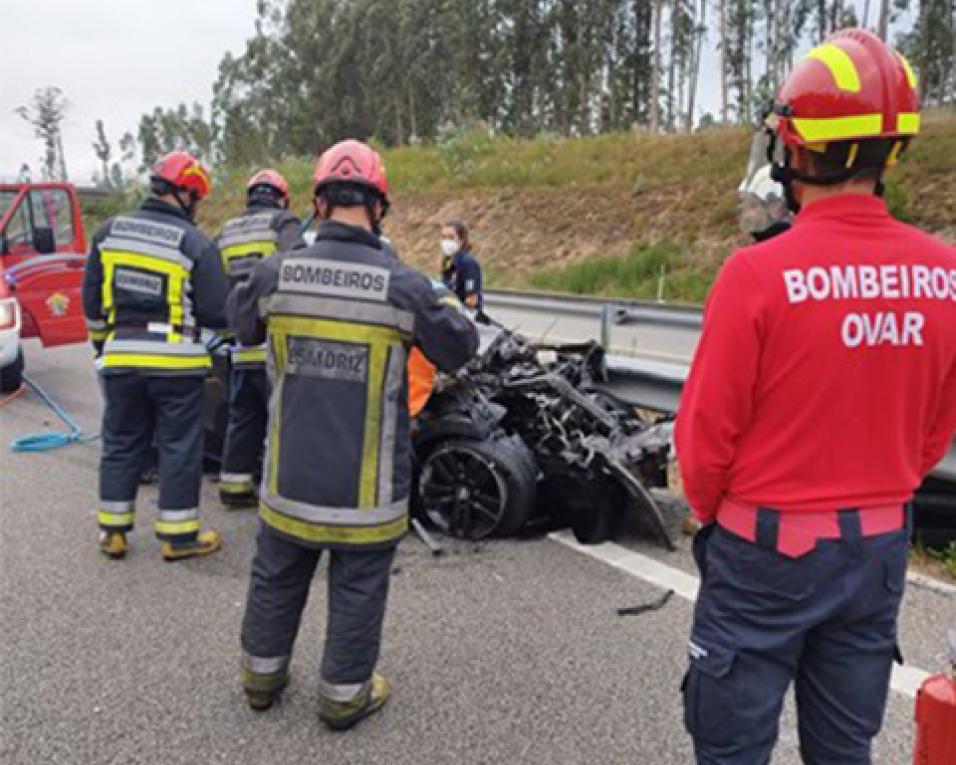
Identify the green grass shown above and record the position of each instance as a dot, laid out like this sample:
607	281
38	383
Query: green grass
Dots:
648	271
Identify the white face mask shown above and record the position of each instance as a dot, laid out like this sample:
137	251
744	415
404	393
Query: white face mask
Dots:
449	246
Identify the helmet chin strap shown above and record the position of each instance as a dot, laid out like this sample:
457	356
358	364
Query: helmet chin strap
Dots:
786	176
189	208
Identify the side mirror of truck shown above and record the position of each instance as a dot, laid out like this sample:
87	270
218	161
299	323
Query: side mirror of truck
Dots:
43	240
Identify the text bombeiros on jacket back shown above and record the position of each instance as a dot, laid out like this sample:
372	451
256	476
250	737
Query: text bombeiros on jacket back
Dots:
870	282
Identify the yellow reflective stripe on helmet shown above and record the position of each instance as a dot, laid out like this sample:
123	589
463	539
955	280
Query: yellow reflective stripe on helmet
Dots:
840	64
907	123
838	128
177	527
910	74
115	519
357	535
155	361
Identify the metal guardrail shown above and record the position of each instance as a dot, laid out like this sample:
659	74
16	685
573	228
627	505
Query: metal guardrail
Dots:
639	381
609	312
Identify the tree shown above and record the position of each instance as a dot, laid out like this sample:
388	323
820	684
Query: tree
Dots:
46	113
103	151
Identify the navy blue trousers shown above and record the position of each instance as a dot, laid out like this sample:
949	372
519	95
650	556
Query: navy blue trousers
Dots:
248	416
825	621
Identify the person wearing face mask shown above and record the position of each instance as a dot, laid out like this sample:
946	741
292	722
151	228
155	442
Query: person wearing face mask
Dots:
461	272
153	280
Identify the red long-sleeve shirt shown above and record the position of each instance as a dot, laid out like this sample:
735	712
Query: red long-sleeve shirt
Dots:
825	376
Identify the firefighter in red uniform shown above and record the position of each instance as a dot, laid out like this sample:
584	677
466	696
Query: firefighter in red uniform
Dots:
823	390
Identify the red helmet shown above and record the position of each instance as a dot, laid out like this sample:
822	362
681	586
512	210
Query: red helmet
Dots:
270	178
351	161
182	170
852	87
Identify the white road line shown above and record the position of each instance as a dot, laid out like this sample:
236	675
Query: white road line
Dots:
905	680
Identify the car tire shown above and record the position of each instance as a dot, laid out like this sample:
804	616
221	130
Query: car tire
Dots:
11	376
478	488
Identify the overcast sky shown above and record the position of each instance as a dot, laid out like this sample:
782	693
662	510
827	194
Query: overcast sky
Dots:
117	59
114	60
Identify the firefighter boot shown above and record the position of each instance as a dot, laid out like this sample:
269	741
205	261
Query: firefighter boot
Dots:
113	544
238	494
206	542
341	716
263	692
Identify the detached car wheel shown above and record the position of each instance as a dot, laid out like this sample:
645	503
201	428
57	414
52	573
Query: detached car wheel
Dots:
11	376
478	489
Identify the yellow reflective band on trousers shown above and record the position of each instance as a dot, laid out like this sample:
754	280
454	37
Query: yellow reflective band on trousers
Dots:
839	128
840	64
118	520
175	528
345	535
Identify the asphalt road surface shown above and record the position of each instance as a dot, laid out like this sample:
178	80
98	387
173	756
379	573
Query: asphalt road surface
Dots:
510	652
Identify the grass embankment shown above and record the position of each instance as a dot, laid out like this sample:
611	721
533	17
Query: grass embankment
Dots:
606	215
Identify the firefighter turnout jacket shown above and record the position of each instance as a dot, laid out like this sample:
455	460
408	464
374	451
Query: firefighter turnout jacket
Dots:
262	230
340	317
152	281
825	376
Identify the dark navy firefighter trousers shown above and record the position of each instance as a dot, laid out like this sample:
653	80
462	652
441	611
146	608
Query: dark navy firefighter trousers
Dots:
282	572
140	408
246	429
825	621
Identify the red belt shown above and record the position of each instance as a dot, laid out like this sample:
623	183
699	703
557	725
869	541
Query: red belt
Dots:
795	534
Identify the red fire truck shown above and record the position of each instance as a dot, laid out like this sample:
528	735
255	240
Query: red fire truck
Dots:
42	254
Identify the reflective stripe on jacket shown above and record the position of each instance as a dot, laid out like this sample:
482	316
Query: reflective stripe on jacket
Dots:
152	281
259	232
340	317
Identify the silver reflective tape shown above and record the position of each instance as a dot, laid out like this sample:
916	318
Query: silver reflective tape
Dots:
140	282
117	507
144	248
95	324
334	279
327	359
178	516
336	516
147	231
265	666
342	694
160	347
265	235
343	310
247	228
394	376
235	478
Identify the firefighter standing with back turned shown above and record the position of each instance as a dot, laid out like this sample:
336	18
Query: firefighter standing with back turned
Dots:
340	317
264	228
822	391
152	281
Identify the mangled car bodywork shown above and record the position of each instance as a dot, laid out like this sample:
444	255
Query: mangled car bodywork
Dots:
524	435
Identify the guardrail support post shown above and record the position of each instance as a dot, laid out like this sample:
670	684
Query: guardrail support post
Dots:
607	320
